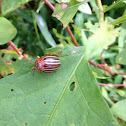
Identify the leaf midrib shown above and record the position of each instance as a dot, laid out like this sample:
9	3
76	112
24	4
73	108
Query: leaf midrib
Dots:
57	103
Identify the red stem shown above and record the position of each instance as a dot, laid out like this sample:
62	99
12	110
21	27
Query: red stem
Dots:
16	50
67	28
50	5
112	85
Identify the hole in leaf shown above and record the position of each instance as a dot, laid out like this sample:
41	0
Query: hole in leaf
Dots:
12	89
45	102
25	124
72	86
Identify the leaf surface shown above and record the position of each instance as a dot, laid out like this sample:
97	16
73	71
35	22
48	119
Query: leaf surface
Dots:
120	58
10	5
119	109
68	97
7	31
66	11
44	29
103	36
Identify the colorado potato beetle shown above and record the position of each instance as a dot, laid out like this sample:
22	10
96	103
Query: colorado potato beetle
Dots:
47	63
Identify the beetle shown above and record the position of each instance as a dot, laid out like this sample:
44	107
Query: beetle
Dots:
48	63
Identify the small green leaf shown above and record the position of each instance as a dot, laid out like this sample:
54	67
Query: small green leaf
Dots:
7	31
10	5
119	109
66	11
44	29
69	96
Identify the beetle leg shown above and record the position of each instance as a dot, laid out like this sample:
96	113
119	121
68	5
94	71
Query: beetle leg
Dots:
57	54
47	54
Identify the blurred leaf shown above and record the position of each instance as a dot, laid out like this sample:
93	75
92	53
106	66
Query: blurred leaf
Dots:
25	14
7	31
9	52
47	99
44	29
115	4
7	66
85	8
121	92
122	46
119	109
122	37
66	11
120	20
77	30
10	5
106	95
62	38
121	57
95	7
96	42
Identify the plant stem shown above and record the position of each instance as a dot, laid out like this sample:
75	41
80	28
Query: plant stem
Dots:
72	36
17	51
37	34
101	16
15	48
67	28
102	67
112	85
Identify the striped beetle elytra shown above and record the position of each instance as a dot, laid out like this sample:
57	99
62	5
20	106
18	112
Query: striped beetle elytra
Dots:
47	63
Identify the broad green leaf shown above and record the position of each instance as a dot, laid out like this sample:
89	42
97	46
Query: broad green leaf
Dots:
44	29
10	5
7	31
119	109
68	97
102	37
66	11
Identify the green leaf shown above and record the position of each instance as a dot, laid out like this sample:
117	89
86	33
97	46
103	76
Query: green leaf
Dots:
7	31
69	96
115	4
63	39
44	29
85	8
66	11
120	20
119	109
7	66
121	57
102	37
122	36
10	5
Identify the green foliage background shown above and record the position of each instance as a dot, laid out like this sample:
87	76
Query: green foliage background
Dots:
71	95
